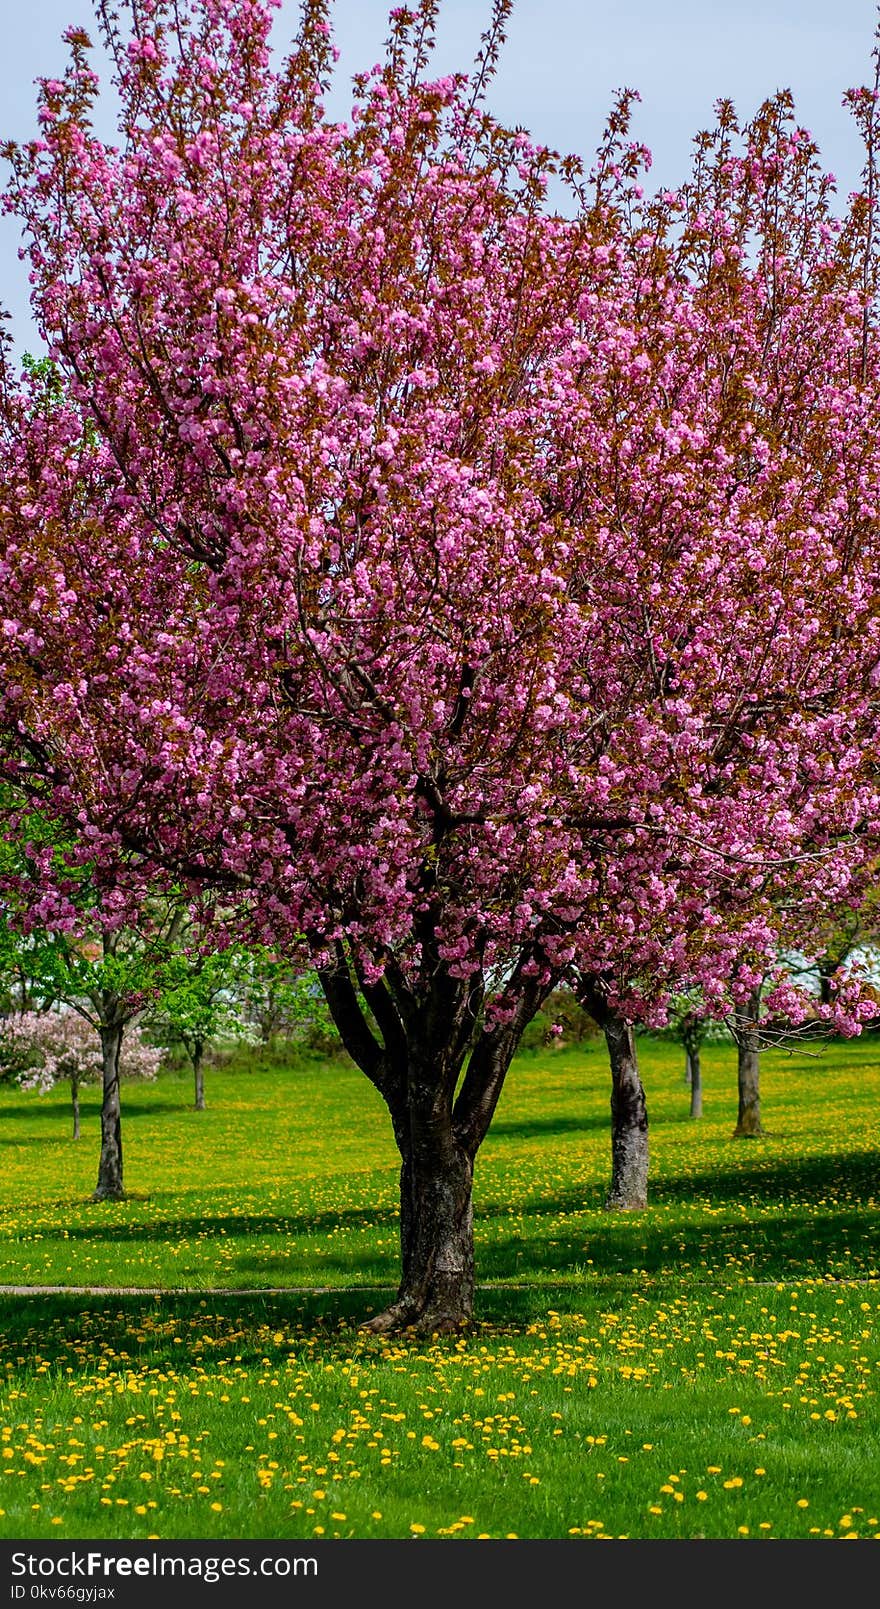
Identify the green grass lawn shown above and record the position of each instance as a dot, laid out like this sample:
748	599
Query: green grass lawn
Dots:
706	1368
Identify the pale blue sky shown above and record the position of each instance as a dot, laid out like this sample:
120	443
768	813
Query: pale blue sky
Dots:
563	60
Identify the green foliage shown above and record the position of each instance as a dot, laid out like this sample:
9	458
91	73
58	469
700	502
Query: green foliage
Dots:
196	1001
15	984
89	958
561	1011
277	1001
44	377
99	973
689	1026
47	392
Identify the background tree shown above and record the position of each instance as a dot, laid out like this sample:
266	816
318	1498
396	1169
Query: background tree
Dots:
747	1031
51	1047
692	1031
275	999
108	977
846	938
448	576
197	1004
562	1020
88	936
16	983
690	1025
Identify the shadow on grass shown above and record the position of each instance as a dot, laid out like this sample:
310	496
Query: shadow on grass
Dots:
42	1140
755	1174
368	1267
627	1244
85	1333
823	1225
230	1226
89	1110
619	1246
113	1330
756	1178
541	1128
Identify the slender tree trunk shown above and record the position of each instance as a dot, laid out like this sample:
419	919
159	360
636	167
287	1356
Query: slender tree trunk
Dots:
748	1123
109	1186
74	1096
696	1082
629	1112
629	1120
688	1074
199	1074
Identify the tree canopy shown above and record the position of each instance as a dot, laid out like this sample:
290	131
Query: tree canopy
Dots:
478	591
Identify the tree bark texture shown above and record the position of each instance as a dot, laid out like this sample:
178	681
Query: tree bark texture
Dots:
629	1112
110	1185
436	1291
629	1121
414	1043
74	1096
748	1123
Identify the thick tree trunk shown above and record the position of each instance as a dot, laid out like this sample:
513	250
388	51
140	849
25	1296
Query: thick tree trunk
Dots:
629	1119
436	1293
696	1082
426	1037
74	1096
109	1186
748	1123
199	1075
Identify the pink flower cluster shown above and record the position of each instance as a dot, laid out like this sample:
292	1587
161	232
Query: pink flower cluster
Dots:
68	1048
474	584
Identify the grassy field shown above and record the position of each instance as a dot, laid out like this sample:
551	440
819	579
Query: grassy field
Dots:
706	1368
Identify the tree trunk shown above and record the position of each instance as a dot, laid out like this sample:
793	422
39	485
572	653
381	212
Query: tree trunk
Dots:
436	1292
74	1096
629	1113
426	1037
629	1119
109	1186
688	1074
748	1123
696	1082
198	1074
